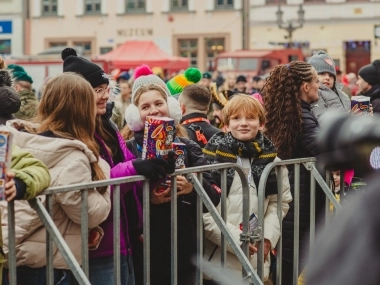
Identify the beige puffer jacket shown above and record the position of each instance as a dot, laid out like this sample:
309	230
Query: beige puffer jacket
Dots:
234	205
68	162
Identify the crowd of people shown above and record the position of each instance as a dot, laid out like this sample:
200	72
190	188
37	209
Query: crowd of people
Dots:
88	126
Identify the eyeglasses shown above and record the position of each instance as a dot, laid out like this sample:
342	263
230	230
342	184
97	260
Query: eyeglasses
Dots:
100	92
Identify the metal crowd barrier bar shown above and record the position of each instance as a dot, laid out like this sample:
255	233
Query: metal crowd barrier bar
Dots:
315	176
81	272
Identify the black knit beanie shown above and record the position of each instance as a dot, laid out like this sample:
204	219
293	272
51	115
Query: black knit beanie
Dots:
89	70
371	73
241	78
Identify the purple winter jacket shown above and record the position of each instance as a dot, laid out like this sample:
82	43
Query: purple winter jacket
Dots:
120	170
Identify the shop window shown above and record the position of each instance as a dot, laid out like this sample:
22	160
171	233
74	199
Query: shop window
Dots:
189	48
179	5
214	46
92	6
224	4
135	6
49	7
85	46
5	47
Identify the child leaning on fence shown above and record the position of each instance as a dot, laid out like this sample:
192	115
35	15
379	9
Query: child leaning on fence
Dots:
26	179
245	145
65	144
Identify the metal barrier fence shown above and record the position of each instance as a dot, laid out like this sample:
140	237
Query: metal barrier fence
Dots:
194	175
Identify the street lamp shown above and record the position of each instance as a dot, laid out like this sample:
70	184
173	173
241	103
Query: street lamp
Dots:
290	26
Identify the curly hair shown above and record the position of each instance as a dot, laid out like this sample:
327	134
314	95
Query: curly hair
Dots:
282	103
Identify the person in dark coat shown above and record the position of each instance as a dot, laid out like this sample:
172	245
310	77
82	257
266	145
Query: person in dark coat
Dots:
9	100
195	100
150	97
369	83
291	88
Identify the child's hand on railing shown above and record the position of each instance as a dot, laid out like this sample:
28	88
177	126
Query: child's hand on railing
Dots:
10	187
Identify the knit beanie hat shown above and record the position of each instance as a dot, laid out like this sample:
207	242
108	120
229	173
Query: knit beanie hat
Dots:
15	67
177	83
323	63
144	76
371	73
89	70
241	78
22	76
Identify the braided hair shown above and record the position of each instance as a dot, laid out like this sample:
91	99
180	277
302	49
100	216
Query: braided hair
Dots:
282	92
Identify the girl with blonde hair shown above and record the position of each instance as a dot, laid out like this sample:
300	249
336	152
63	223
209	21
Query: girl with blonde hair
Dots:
151	97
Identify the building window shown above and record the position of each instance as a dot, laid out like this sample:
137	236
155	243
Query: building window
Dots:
189	48
49	7
214	46
104	50
275	2
224	4
85	47
57	44
179	5
5	47
312	1
135	6
92	6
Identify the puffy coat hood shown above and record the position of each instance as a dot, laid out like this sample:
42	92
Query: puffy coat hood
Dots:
50	150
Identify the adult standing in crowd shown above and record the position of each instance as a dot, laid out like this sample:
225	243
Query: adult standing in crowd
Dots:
194	101
65	144
9	100
241	84
291	88
369	83
123	99
206	80
122	162
23	85
219	100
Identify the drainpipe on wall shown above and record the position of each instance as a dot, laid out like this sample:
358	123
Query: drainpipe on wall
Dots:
245	25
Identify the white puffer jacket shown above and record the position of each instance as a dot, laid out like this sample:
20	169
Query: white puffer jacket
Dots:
68	162
234	204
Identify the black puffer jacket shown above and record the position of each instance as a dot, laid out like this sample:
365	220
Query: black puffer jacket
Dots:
9	100
160	221
204	127
306	146
374	93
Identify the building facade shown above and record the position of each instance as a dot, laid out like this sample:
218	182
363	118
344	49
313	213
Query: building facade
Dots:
348	30
12	27
197	29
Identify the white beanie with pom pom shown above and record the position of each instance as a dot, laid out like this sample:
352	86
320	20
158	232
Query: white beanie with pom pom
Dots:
144	76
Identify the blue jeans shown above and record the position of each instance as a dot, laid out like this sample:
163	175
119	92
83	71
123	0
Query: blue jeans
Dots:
101	270
37	276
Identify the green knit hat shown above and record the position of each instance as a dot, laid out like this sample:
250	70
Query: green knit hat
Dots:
22	76
177	83
15	67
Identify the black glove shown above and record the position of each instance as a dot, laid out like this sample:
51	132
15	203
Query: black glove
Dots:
155	168
171	162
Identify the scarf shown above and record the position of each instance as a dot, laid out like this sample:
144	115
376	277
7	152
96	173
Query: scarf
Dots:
223	147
